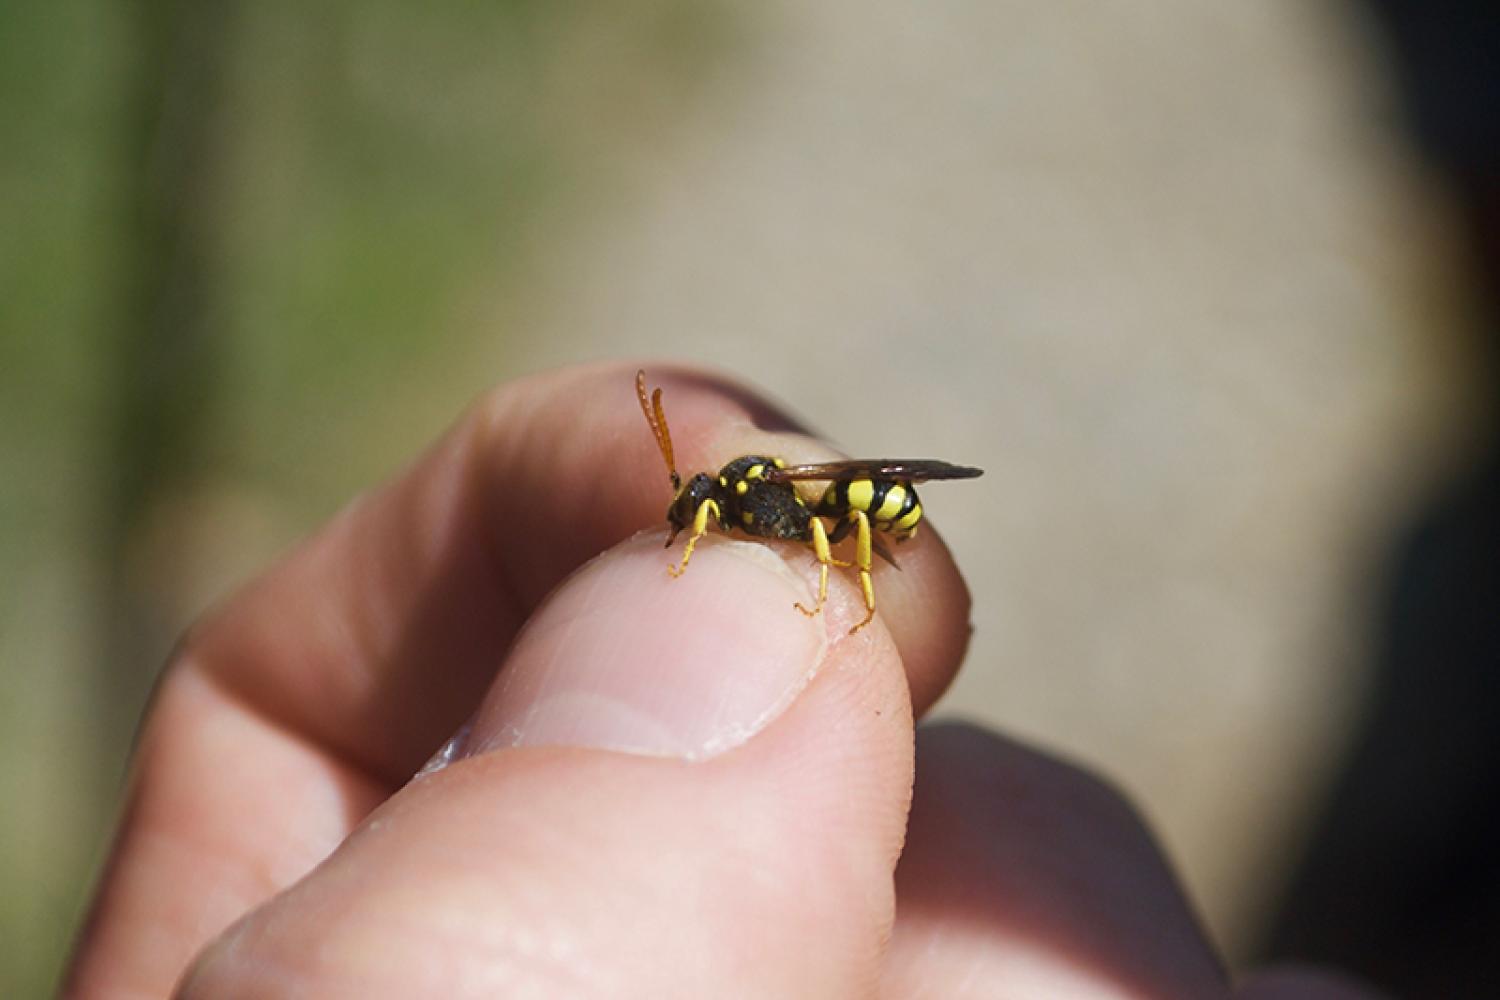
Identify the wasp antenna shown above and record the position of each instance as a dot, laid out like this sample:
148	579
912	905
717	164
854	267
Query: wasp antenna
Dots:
651	407
666	438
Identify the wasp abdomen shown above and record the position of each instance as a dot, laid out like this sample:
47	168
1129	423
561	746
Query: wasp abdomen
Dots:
891	504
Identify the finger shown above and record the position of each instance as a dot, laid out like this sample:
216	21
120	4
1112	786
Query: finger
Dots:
1023	876
677	787
307	698
443	565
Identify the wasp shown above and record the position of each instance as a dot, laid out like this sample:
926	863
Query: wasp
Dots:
755	493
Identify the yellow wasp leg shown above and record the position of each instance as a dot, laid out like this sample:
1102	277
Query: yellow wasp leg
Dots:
862	546
825	559
700	528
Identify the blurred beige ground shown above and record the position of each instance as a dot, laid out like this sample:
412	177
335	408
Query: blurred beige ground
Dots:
1166	272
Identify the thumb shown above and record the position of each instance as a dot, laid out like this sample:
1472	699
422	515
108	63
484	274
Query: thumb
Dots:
674	788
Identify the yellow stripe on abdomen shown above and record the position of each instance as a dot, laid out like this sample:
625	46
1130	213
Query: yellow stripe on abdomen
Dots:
890	508
861	494
908	521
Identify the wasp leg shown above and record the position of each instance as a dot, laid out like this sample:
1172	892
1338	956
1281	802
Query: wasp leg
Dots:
862	547
825	559
840	530
705	510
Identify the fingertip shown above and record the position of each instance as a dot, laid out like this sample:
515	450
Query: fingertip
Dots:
927	607
625	656
578	438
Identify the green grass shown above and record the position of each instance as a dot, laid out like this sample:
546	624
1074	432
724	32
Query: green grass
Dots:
235	241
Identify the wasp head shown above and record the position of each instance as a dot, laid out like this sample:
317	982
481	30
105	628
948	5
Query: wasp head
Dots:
696	492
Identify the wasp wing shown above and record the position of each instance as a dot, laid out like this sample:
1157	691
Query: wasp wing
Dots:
914	470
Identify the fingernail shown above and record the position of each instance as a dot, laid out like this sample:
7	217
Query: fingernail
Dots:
625	657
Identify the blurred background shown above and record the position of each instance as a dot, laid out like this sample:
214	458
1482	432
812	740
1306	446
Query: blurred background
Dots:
1207	289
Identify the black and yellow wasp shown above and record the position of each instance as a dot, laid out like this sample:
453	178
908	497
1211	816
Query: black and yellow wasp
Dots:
755	494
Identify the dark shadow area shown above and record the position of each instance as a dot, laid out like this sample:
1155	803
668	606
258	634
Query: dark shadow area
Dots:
1400	882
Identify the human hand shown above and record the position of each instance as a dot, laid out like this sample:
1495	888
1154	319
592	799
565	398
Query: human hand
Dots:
665	787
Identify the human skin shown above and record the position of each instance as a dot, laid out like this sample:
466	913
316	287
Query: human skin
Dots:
661	787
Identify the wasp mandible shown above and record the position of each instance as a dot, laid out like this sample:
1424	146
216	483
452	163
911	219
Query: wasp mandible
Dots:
755	494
